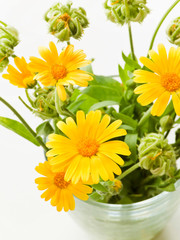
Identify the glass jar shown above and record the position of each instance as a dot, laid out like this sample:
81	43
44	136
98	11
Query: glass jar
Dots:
138	221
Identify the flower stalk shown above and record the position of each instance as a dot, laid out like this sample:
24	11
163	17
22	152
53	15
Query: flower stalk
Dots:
131	41
24	123
128	171
161	22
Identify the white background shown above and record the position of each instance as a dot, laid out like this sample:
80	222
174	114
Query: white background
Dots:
23	215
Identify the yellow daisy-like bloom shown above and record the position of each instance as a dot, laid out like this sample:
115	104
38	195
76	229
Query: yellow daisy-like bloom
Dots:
162	82
58	190
22	78
86	152
61	70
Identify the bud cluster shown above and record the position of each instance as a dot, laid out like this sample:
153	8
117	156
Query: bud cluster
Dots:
156	155
66	22
43	101
173	31
8	40
123	11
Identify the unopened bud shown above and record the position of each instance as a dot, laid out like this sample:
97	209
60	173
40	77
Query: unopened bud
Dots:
166	123
43	102
173	31
66	22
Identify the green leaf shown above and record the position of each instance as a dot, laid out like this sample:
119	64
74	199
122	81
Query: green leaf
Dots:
18	128
123	75
74	106
95	196
83	102
99	187
126	127
44	129
125	119
178	121
128	163
128	110
88	68
169	188
104	89
103	104
131	140
131	62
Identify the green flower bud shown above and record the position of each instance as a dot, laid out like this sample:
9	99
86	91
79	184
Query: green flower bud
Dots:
43	102
173	31
66	22
166	123
8	40
123	11
156	155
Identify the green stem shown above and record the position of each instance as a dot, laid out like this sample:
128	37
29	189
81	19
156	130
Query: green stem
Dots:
161	22
131	41
25	104
167	133
25	124
128	171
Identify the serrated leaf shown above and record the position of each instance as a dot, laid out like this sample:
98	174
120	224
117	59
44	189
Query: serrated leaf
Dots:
18	128
99	187
103	104
44	129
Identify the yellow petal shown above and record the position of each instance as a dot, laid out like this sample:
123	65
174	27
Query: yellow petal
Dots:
61	92
160	104
176	102
150	64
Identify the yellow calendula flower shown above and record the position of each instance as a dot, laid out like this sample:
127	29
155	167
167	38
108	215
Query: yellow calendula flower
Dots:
61	70
86	151
162	82
22	78
58	190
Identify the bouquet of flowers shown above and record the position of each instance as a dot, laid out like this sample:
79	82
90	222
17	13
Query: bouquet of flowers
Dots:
104	137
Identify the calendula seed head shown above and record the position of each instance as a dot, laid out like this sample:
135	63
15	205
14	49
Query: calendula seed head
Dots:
66	22
8	40
123	11
173	31
156	155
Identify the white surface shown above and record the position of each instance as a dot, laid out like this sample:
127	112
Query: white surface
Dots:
23	215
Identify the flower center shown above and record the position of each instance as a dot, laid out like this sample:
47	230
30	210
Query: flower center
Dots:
65	17
170	81
87	147
59	180
58	71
